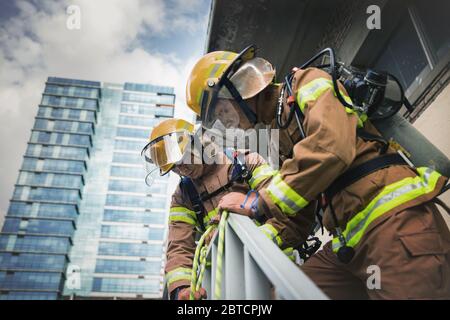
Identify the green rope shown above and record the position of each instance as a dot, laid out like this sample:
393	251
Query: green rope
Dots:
218	284
198	256
200	259
203	262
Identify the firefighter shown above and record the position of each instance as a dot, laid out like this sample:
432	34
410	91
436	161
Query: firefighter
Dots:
197	199
378	209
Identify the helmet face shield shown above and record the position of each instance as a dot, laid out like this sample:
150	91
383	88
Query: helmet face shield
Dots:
248	78
223	114
165	151
152	172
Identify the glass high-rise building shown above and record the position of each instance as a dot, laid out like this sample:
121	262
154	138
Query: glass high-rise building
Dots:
81	222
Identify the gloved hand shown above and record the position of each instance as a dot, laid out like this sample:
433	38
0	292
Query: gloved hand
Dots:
184	294
233	200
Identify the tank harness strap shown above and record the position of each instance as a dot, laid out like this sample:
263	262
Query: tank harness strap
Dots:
360	171
240	173
188	188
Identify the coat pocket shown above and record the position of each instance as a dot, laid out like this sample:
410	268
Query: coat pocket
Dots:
427	269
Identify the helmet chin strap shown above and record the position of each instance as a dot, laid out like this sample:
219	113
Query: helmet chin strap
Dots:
251	116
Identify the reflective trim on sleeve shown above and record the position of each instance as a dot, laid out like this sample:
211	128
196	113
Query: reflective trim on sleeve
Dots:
289	252
289	201
315	88
182	214
391	196
271	233
177	275
261	173
210	215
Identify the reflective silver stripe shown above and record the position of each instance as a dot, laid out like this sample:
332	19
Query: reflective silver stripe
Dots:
402	194
178	274
261	173
293	208
271	233
182	216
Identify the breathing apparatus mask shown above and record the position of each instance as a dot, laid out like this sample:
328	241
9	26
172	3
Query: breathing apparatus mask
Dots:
223	106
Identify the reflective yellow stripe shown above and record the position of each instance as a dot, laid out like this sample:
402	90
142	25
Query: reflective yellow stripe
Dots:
314	89
182	214
261	173
390	197
289	201
289	252
178	274
209	216
271	233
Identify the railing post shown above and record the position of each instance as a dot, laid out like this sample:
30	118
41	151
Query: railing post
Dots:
234	266
213	269
254	266
257	286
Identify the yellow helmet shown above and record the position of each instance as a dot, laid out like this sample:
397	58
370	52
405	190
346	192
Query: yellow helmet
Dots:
167	144
242	75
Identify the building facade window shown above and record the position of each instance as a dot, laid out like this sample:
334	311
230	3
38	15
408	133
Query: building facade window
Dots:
144	98
63	166
135	201
35	226
128	267
30	280
150	110
70	102
131	216
23	261
27	295
50	179
129	145
137	186
125	285
127	158
65	152
34	244
129	249
46	194
127	172
132	133
44	210
134	233
139	121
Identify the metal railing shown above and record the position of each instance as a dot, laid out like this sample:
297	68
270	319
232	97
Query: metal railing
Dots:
255	268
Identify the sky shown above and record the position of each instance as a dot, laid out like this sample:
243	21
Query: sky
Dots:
148	41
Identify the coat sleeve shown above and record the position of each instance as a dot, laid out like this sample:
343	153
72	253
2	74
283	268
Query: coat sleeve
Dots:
327	151
284	231
180	243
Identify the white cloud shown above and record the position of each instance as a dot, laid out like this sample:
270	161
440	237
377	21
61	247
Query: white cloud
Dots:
36	44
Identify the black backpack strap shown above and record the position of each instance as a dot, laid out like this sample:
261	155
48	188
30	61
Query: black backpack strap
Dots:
188	188
354	174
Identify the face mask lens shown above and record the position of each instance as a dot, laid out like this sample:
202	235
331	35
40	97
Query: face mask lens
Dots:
151	176
160	154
